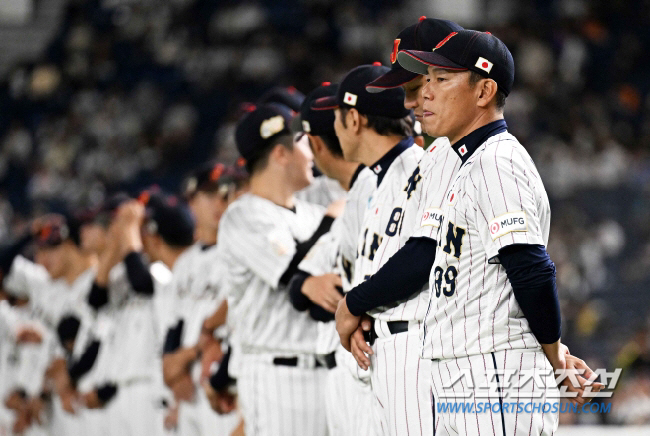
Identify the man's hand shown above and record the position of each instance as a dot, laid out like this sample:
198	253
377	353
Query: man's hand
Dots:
131	213
350	329
29	335
221	402
211	353
68	400
322	290
335	209
183	388
36	406
91	400
171	418
560	358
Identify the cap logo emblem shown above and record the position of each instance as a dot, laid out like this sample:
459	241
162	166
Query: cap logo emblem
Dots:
216	172
393	55
462	150
444	41
306	127
272	126
484	64
191	185
349	98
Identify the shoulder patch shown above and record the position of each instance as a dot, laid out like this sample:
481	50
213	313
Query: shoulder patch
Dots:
506	223
431	217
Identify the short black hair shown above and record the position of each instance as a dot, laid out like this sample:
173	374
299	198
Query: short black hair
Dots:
332	143
259	162
386	126
474	78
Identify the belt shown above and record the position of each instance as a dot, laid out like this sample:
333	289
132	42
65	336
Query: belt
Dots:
394	327
324	360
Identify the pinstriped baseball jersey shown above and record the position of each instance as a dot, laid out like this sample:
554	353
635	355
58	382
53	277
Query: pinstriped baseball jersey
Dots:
496	199
424	194
322	191
381	218
259	240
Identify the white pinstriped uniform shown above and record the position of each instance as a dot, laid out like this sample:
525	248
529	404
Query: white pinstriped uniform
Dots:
389	375
348	394
473	320
259	241
197	293
322	191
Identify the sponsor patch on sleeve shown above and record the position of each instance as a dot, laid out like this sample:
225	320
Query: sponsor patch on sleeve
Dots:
506	223
431	217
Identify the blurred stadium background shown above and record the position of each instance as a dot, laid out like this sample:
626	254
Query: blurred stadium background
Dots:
101	95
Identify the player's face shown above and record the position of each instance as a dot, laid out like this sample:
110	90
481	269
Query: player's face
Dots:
53	260
347	139
301	163
449	105
93	238
413	97
207	208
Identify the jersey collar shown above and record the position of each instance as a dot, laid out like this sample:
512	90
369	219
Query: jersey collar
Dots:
355	176
467	145
381	166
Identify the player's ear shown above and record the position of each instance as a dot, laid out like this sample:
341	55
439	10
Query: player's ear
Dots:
316	144
486	92
279	154
354	120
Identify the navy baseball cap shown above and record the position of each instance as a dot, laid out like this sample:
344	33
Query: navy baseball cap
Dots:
472	50
257	130
316	122
352	93
57	229
288	96
423	35
104	214
211	177
169	217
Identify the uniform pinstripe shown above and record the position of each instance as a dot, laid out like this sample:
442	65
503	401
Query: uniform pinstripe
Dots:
396	385
259	241
196	294
496	199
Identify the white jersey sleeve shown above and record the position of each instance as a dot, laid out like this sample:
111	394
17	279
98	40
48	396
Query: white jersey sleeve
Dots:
258	240
26	278
511	203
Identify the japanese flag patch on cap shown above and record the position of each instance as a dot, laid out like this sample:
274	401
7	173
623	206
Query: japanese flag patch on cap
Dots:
350	99
484	64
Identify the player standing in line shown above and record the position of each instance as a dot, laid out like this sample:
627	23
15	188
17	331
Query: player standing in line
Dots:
198	295
376	129
265	234
315	287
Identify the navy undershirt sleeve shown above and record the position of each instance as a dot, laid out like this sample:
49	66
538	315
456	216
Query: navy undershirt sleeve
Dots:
138	273
85	362
403	275
299	301
221	380
98	296
302	248
532	276
173	338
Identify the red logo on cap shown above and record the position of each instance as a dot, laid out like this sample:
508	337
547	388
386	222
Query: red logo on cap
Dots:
444	41
484	64
393	55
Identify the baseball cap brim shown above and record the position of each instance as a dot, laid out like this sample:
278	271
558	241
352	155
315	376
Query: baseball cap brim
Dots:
325	103
392	79
418	61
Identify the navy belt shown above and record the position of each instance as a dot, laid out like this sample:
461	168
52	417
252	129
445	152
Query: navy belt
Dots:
328	361
394	327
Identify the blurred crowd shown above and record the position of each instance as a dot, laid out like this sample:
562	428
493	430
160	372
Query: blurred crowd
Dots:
135	92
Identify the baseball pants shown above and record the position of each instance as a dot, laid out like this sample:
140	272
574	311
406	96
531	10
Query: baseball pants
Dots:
198	419
400	382
280	399
503	416
348	399
133	411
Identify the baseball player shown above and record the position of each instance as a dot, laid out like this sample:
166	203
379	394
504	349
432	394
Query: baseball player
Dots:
199	294
57	286
435	168
265	234
491	266
329	264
